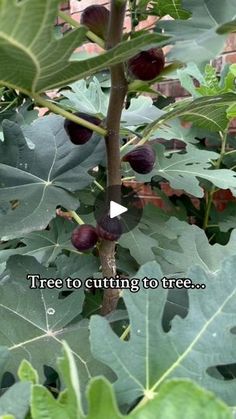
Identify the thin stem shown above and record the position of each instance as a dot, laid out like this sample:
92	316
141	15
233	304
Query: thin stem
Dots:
230	152
212	237
112	140
99	186
76	217
125	333
90	35
143	141
132	6
56	109
10	105
128	143
208	207
210	194
68	215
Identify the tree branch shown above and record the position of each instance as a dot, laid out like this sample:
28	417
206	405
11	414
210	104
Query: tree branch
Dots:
112	139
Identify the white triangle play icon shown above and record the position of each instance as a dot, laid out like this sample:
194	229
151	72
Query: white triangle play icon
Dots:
116	209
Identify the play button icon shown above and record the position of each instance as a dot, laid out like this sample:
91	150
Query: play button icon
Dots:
116	209
121	202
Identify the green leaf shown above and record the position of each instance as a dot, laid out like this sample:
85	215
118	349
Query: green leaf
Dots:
101	397
42	61
16	401
34	322
175	244
69	373
141	241
174	129
183	399
68	404
172	8
227	27
27	373
92	100
77	265
186	76
43	177
102	402
141	111
231	112
139	244
196	39
183	170
168	404
44	405
226	219
194	248
203	339
87	98
211	84
205	112
4	356
44	245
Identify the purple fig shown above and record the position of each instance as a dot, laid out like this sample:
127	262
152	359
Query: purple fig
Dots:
147	65
84	237
109	228
141	159
79	134
96	18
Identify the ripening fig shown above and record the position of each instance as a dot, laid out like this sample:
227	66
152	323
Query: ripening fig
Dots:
147	65
109	228
96	18
84	237
79	134
141	159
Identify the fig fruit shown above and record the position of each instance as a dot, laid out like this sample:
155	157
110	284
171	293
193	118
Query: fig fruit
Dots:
96	18
141	159
147	65
109	228
79	134
84	237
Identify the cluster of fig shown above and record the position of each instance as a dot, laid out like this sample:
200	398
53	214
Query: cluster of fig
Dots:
146	66
85	236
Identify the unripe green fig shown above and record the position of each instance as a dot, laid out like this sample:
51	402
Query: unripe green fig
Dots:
147	65
84	237
77	133
96	18
141	159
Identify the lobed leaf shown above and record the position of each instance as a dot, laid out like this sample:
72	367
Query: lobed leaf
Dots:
35	322
205	338
42	61
43	177
196	39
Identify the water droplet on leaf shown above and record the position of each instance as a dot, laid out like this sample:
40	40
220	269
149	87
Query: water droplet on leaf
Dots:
50	311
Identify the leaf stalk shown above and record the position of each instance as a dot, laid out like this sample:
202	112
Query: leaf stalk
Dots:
68	115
